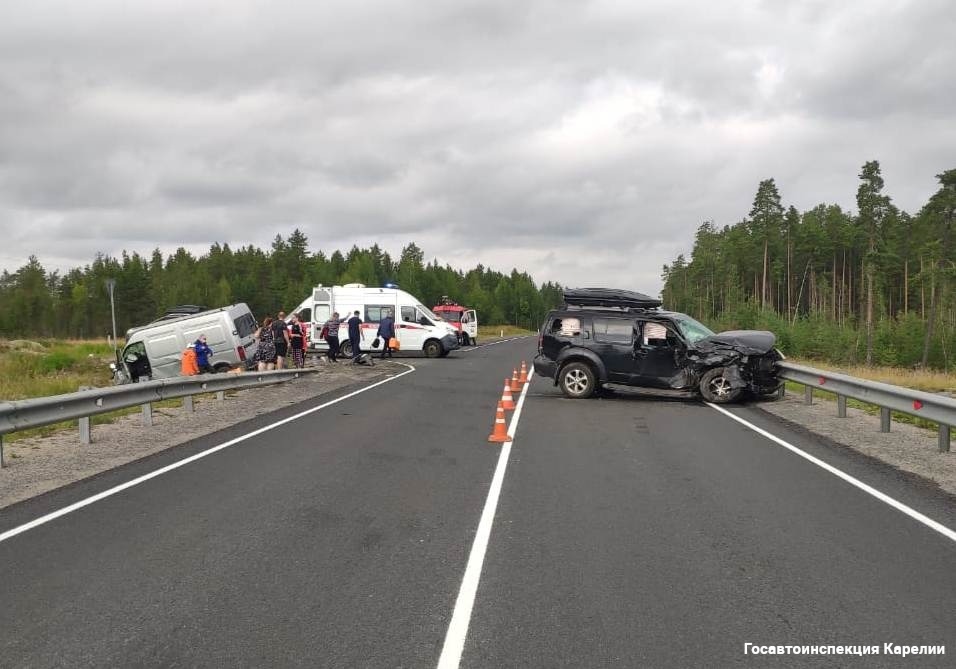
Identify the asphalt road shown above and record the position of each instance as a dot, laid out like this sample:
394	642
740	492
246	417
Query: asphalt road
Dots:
629	533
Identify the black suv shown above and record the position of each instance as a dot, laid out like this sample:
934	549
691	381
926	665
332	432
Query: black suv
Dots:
603	336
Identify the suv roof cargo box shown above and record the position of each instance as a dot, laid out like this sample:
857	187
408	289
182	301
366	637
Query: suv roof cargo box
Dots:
609	297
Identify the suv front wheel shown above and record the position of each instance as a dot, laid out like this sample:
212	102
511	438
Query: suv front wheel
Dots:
577	380
716	388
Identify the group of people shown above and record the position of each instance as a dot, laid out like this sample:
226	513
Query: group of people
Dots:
279	340
330	332
195	358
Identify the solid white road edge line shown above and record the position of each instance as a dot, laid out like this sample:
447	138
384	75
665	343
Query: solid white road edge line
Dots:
899	506
461	617
168	468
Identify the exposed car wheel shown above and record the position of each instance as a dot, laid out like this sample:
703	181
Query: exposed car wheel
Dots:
222	368
432	348
345	350
577	380
716	388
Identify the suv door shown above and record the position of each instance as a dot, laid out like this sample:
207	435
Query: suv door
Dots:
614	343
656	352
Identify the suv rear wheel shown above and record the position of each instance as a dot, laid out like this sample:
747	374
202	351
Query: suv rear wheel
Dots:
716	388
577	380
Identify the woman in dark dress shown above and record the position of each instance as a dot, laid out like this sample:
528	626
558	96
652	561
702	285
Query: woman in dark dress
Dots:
297	342
266	352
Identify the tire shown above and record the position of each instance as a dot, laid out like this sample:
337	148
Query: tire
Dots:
465	341
715	387
432	348
345	350
221	368
577	380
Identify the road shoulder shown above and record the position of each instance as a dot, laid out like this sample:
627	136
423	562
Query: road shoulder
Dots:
906	447
38	465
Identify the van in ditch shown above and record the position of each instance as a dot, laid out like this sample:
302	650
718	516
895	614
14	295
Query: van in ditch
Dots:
416	327
154	351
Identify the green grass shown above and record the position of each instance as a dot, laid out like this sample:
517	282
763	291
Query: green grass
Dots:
492	331
51	367
40	368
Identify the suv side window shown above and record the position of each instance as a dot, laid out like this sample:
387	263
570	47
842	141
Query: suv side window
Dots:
657	335
566	327
613	330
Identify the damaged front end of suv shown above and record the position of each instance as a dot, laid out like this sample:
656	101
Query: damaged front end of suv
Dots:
728	363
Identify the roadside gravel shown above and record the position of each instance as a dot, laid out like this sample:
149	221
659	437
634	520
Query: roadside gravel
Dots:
906	447
40	464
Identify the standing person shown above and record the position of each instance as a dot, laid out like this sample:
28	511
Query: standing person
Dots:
386	330
296	342
266	352
355	335
281	336
202	355
332	335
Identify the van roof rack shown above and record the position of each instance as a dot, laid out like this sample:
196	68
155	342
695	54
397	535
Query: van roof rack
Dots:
609	298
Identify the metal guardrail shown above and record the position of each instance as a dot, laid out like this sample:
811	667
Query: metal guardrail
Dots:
936	408
39	411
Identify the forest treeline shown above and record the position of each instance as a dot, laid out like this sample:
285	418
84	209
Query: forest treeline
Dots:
38	303
873	286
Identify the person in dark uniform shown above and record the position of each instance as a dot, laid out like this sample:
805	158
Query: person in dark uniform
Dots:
386	330
355	334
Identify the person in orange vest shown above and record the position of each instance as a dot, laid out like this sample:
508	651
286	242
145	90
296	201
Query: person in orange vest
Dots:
190	367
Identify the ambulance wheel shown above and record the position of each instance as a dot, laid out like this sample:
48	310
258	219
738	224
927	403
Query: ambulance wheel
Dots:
345	350
432	348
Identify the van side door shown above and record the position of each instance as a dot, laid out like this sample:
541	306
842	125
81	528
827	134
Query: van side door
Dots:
410	329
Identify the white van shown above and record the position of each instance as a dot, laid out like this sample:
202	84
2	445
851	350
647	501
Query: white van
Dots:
416	327
154	351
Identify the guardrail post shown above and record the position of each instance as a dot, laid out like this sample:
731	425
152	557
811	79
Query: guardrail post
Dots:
1	451
86	435
841	406
221	395
944	438
884	419
782	391
188	403
147	414
808	394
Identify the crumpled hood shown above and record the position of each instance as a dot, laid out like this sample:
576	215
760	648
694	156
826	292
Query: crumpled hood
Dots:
747	342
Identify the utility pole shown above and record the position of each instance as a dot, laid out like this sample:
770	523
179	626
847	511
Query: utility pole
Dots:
110	286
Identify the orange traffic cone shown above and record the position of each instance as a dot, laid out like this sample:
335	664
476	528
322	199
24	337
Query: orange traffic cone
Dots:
515	383
523	374
507	401
500	433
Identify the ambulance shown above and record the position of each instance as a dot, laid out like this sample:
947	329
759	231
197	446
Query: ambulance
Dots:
416	327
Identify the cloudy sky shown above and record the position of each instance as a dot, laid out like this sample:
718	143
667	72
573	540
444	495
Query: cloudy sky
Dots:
583	142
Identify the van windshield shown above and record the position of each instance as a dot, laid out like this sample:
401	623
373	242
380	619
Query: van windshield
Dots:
427	312
245	325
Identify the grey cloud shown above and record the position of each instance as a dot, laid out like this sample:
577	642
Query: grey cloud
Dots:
588	140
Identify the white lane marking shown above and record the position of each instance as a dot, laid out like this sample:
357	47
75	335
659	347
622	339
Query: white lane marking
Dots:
461	617
168	468
899	506
494	343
